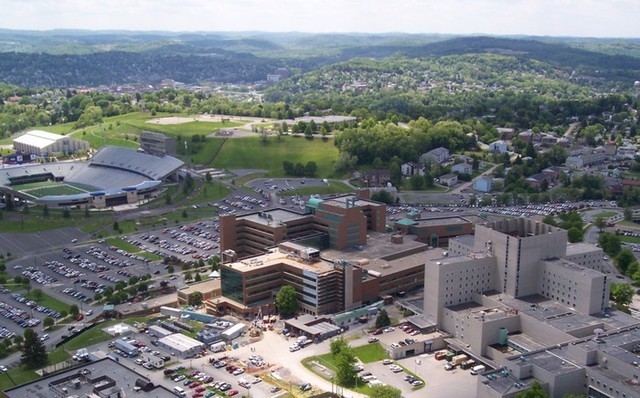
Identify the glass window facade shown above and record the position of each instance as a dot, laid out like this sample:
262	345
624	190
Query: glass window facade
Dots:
231	284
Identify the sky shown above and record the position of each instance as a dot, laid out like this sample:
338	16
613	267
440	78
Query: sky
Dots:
581	18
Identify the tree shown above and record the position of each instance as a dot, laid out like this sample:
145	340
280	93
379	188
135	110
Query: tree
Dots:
383	319
624	259
37	294
382	196
208	176
416	181
575	234
385	391
34	353
337	345
628	214
535	391
47	322
621	294
344	360
287	301
66	213
116	226
600	223
311	168
74	310
45	211
550	220
345	371
197	278
195	299
610	243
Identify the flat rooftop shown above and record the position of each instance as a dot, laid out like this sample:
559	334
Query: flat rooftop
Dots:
562	317
378	246
341	201
549	361
574	267
442	221
481	312
204	286
581	248
276	257
125	379
503	383
273	217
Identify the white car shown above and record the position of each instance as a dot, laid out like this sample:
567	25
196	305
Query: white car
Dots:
389	329
294	347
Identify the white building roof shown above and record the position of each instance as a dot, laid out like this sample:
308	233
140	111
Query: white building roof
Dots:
180	342
38	138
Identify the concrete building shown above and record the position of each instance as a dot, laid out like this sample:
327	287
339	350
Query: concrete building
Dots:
182	346
435	232
586	159
103	378
498	147
462	168
158	143
340	222
449	179
517	298
437	155
483	184
43	143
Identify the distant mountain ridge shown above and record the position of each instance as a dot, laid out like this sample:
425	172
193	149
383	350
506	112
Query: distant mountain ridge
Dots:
71	58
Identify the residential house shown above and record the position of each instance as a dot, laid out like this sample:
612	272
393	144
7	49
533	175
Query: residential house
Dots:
548	140
586	159
565	142
410	168
626	152
506	133
536	180
438	155
376	178
483	184
462	168
449	179
498	146
526	136
553	173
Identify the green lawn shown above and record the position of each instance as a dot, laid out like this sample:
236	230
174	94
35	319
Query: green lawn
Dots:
370	353
50	302
629	239
122	244
605	214
332	188
252	153
210	192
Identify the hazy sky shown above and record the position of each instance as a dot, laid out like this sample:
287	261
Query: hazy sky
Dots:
592	18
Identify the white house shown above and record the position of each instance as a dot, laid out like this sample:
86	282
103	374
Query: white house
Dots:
462	168
498	146
483	184
410	168
438	155
449	179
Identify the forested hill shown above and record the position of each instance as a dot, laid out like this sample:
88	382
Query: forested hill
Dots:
64	59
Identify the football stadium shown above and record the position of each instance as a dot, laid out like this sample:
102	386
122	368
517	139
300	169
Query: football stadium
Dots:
112	177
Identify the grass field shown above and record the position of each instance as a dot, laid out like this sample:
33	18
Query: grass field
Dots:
252	153
51	188
49	301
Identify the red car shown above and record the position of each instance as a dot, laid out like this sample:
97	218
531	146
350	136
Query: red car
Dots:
197	395
194	384
378	331
232	393
200	389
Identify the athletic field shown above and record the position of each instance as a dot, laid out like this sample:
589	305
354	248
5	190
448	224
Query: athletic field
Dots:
46	188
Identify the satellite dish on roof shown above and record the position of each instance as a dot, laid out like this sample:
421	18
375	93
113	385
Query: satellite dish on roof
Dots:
598	331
